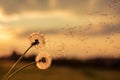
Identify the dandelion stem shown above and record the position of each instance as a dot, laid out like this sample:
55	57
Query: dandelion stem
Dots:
13	66
12	74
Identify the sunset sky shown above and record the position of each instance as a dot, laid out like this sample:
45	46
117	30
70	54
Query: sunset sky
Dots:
72	28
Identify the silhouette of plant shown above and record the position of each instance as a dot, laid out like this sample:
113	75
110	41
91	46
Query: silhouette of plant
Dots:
42	61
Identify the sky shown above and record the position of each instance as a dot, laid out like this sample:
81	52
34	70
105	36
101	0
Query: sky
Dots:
79	29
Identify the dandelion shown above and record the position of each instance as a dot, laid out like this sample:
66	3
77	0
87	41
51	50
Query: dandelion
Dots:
37	39
43	60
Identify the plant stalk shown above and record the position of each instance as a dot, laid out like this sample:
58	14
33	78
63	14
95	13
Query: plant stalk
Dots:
14	65
12	74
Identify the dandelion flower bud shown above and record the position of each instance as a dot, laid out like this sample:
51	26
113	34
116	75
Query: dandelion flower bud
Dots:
43	60
37	39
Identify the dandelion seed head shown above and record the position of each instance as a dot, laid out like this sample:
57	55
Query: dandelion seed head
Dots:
43	60
37	39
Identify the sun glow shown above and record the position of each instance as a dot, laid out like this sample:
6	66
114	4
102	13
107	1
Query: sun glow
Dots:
5	34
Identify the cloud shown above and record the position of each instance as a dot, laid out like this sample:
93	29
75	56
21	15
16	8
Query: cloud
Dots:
107	29
16	6
111	29
77	6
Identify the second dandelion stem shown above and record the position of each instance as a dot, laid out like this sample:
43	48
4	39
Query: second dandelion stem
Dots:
12	74
16	63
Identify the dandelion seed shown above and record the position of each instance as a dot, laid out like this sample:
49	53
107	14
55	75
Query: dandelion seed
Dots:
43	60
37	39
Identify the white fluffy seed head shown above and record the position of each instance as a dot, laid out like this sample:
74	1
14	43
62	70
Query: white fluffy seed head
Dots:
43	60
39	37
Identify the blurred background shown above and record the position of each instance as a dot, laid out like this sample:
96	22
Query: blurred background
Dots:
83	37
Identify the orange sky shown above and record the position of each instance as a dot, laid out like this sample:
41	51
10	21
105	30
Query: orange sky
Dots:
81	29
